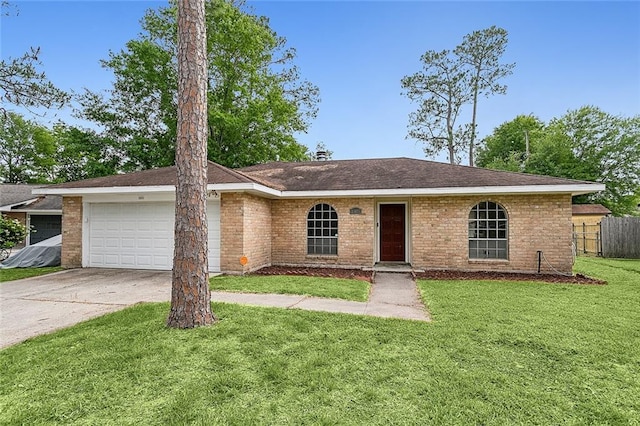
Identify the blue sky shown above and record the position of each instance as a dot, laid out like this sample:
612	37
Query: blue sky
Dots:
567	54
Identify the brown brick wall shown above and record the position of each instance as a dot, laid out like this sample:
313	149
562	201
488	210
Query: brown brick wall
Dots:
536	222
245	222
356	233
71	256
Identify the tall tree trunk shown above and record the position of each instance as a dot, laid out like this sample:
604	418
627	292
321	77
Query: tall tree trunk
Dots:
190	296
472	139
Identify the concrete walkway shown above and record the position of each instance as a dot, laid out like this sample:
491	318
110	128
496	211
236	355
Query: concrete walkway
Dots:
40	305
392	295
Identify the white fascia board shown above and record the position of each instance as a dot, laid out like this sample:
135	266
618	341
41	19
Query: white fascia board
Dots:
576	189
573	189
105	190
244	187
220	187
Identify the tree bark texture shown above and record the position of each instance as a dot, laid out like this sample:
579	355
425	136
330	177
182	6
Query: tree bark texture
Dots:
190	296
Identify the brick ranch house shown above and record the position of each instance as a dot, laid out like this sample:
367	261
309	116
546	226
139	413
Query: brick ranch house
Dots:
347	213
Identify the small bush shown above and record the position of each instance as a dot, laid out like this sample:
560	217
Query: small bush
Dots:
12	232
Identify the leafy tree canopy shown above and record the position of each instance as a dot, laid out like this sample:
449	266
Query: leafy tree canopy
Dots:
257	100
26	150
32	153
584	144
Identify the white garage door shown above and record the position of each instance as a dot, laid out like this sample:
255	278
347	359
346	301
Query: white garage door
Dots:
140	235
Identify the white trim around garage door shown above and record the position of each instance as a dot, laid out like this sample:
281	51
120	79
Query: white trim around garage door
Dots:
139	235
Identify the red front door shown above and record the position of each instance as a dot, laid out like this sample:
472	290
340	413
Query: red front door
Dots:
392	233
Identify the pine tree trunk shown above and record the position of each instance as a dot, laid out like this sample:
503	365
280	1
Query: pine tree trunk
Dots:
190	296
472	139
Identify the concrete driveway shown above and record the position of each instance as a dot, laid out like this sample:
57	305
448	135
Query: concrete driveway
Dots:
39	305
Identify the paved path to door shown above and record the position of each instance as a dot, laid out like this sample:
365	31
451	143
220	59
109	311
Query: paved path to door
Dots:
39	305
393	295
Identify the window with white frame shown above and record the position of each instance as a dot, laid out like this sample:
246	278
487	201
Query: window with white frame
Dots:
488	231
322	230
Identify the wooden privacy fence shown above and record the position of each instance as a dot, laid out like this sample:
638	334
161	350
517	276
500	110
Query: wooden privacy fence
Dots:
620	237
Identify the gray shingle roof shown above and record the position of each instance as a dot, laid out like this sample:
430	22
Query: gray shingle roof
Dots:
387	173
165	176
16	195
336	175
11	194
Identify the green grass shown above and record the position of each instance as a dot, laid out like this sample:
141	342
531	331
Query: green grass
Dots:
20	273
288	284
496	353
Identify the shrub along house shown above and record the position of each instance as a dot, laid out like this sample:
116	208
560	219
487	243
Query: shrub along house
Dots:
347	213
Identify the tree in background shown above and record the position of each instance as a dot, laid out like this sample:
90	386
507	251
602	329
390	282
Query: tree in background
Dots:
190	296
82	154
441	88
26	151
32	153
506	147
584	144
481	52
22	84
448	81
257	100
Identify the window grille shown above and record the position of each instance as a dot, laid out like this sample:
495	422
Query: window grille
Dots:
322	230
488	231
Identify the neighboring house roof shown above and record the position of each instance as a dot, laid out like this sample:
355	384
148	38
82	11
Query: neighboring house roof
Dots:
43	203
12	194
589	209
388	176
20	197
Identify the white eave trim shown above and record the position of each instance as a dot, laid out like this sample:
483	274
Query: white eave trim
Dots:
576	189
104	190
220	187
245	187
258	189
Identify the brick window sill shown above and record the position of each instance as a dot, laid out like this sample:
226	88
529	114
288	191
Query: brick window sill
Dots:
322	256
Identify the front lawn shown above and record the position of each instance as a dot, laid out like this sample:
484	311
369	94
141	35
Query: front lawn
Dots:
495	353
20	273
336	288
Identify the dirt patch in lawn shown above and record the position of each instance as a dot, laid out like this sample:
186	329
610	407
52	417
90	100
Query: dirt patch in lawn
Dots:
359	274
